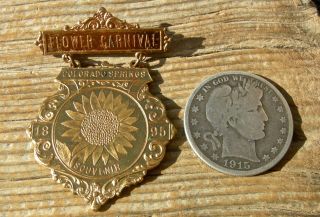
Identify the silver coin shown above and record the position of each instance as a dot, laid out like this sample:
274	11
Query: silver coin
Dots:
238	123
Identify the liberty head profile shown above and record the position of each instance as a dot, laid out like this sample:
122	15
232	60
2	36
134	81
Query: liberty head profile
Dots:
236	114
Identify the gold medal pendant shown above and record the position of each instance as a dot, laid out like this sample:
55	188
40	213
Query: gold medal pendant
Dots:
102	130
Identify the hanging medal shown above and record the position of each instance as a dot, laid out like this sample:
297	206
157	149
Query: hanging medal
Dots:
102	130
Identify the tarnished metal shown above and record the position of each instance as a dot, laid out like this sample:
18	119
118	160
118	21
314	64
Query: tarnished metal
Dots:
238	123
103	34
102	130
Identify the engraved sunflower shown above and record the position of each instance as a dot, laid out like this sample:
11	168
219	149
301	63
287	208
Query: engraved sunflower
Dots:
100	126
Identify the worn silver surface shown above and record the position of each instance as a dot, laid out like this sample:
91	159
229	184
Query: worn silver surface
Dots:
238	123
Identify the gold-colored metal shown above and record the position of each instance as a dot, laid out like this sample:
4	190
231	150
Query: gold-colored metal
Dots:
102	130
103	34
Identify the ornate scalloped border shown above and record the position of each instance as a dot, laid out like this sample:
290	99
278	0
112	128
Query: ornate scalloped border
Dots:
94	192
102	19
97	194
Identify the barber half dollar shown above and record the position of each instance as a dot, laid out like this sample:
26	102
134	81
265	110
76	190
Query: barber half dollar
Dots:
238	123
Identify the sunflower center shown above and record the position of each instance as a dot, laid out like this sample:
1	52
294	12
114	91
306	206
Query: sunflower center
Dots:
100	127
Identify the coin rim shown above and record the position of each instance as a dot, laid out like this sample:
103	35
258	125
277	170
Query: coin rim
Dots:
216	166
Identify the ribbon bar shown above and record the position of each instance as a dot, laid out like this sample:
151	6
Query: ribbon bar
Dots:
103	41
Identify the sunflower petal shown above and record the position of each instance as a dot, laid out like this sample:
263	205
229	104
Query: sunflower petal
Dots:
101	97
86	104
78	107
105	157
124	142
128	136
124	105
88	151
70	132
127	128
129	120
117	103
72	124
112	151
121	149
77	152
75	115
76	137
63	151
94	102
108	103
96	155
78	148
125	113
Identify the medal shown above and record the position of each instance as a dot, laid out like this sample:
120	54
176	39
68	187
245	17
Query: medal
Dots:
102	130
